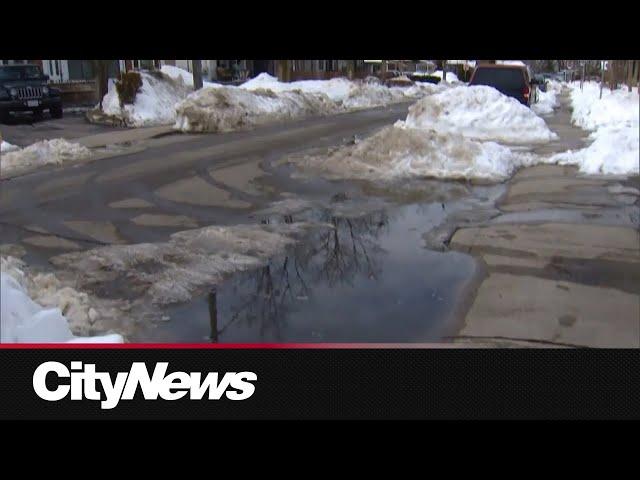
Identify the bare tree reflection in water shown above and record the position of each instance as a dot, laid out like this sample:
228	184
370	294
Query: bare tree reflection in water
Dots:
333	257
350	248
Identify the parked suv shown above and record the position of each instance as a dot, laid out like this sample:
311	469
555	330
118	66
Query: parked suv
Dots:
24	88
511	80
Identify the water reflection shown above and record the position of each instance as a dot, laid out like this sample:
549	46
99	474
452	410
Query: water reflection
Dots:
366	279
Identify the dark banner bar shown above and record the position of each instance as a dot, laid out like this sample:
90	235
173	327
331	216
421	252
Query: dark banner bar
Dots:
311	383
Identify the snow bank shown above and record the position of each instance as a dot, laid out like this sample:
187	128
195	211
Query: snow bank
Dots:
615	108
614	151
547	101
451	77
401	151
46	152
186	78
25	321
154	103
349	94
264	99
614	121
479	112
167	97
230	108
7	147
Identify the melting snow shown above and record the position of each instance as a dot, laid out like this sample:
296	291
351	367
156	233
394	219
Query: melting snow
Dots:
46	152
25	320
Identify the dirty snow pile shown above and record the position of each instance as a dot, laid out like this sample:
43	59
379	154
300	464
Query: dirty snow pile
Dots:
614	122
24	320
547	101
167	97
481	113
401	151
230	108
154	103
450	134
7	147
192	260
56	151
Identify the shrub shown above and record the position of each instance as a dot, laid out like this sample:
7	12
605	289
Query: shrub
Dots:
128	86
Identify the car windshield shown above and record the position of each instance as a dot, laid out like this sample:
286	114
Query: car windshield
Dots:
26	72
505	78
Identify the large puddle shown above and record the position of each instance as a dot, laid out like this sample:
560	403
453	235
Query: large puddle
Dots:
368	280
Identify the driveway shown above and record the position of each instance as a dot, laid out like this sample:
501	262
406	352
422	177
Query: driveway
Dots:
24	130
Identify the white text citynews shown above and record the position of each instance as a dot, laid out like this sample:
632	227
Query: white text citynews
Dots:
83	382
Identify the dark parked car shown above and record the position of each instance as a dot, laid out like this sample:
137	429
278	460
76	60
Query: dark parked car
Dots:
23	88
511	80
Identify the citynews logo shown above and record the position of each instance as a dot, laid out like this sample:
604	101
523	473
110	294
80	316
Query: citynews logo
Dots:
174	386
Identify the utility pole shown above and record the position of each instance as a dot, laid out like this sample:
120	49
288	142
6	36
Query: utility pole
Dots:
444	71
213	314
197	74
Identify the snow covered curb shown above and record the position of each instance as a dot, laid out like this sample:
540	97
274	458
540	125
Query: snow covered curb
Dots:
24	319
47	152
614	122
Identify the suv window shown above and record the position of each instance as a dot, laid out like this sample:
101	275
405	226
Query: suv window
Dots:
26	72
501	78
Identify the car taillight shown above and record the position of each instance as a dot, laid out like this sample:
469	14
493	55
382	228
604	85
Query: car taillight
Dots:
526	91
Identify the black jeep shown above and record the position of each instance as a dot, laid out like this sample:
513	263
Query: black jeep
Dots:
24	88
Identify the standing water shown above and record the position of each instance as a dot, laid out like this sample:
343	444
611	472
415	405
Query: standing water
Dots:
368	279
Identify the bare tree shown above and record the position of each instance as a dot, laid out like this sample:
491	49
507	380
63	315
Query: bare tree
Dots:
101	75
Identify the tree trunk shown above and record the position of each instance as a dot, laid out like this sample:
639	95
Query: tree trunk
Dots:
196	66
351	68
101	74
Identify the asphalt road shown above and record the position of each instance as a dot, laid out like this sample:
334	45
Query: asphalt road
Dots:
177	181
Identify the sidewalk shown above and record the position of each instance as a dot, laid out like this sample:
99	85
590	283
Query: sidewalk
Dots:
124	136
563	265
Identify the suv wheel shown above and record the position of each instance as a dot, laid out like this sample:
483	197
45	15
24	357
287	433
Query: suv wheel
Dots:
56	112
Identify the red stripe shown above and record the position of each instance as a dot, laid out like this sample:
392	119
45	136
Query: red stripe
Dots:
217	346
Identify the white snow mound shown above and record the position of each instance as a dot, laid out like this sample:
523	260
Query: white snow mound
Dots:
481	113
615	123
25	321
451	77
56	151
186	78
7	147
547	101
614	151
154	103
590	111
349	94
